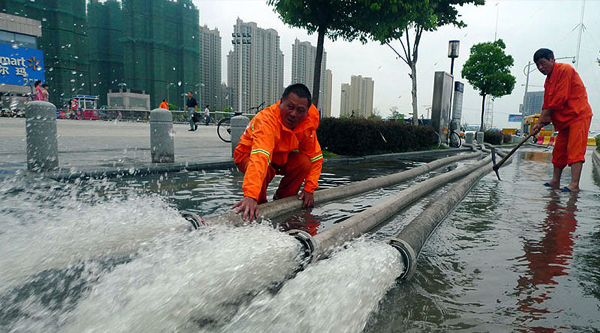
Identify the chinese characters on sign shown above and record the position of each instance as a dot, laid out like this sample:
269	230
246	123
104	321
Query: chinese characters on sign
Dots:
20	65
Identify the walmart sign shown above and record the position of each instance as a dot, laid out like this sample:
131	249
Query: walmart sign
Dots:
18	65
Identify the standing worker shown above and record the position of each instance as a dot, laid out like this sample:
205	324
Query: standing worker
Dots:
191	108
207	115
282	140
566	106
164	105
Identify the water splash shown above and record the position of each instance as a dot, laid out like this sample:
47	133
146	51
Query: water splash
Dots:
334	295
185	282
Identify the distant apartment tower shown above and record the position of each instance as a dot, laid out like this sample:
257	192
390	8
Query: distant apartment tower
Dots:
357	97
325	105
303	68
63	40
161	48
254	66
345	100
210	69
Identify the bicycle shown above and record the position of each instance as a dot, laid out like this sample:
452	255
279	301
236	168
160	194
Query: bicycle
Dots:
224	125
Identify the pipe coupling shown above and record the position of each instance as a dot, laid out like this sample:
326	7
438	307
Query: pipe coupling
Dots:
309	245
195	220
408	255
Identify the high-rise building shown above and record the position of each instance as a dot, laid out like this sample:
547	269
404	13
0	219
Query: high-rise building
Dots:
345	101
210	68
533	103
325	105
64	42
161	48
357	97
303	67
254	66
105	28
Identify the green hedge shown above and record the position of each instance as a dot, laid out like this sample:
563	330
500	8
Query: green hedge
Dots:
598	142
360	137
493	137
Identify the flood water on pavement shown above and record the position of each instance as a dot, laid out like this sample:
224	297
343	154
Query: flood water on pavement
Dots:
115	255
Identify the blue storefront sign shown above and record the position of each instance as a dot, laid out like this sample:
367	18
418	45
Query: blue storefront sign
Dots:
20	65
517	118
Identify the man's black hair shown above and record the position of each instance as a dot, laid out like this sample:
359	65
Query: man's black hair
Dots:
543	53
298	89
164	100
45	85
37	83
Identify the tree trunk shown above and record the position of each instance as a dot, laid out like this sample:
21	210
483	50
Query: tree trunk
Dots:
481	128
413	76
318	60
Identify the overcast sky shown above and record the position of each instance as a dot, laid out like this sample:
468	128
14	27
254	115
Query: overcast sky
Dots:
524	26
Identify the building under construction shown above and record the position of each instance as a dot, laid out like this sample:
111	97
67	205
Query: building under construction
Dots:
150	46
64	42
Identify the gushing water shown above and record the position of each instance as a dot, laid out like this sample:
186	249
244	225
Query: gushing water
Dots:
334	295
188	281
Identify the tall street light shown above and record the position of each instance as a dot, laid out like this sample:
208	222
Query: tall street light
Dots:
169	85
453	47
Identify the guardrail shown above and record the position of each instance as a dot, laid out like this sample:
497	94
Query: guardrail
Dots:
179	116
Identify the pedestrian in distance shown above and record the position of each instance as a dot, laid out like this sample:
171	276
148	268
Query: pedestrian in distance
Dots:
191	108
38	95
45	93
280	140
207	115
164	105
566	106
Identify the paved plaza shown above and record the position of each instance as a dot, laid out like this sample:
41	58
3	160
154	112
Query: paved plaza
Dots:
86	145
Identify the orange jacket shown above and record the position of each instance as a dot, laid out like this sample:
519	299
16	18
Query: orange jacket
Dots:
268	141
164	105
565	94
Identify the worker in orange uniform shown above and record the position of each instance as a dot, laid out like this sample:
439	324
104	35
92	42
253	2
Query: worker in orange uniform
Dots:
281	139
164	105
566	106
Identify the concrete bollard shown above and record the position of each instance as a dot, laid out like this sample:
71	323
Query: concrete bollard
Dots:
42	138
162	138
480	136
469	136
238	126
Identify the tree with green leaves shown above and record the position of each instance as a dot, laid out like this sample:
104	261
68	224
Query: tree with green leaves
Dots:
325	17
396	19
488	70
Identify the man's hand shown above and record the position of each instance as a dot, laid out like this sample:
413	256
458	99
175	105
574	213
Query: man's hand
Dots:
309	199
249	206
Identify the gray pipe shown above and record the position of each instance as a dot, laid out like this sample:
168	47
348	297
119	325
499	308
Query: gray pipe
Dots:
42	136
370	218
411	239
275	208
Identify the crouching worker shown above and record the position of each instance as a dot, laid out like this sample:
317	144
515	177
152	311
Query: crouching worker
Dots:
280	140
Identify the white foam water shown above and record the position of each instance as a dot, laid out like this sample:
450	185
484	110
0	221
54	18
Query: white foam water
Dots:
333	295
186	282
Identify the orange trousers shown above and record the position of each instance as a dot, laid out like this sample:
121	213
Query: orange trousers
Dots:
571	143
294	173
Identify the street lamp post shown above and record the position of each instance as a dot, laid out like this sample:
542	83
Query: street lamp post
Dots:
453	47
121	85
169	85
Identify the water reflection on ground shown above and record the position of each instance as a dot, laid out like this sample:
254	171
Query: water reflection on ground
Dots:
513	256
